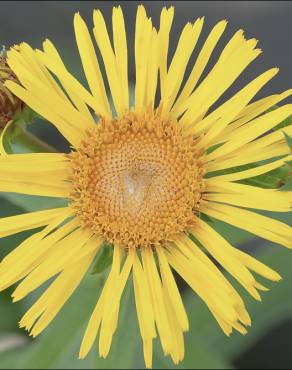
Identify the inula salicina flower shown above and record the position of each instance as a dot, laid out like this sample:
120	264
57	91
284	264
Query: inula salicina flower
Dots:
143	178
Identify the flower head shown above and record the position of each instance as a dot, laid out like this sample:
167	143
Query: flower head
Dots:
9	103
141	179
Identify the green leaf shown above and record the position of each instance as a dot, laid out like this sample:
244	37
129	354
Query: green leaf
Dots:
205	218
25	116
270	180
198	355
57	347
287	186
33	202
288	140
103	259
287	122
232	170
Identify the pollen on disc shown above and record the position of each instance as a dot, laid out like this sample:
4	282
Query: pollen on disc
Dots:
137	180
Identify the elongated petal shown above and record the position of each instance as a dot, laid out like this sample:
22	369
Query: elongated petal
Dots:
227	256
32	251
201	62
96	317
91	65
55	262
110	62
252	111
166	19
36	174
158	302
51	302
253	130
247	196
264	227
260	170
235	57
214	123
143	37
175	74
173	293
27	221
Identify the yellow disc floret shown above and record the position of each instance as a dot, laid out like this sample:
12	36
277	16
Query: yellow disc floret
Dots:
137	180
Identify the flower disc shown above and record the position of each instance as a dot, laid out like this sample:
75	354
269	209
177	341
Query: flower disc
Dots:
137	180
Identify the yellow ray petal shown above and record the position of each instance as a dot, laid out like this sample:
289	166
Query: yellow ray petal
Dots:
32	251
224	253
51	56
204	282
143	36
27	58
252	130
257	266
63	107
63	252
201	63
112	306
193	252
235	58
35	174
269	146
37	103
152	72
253	171
264	227
121	54
166	19
247	196
94	324
109	58
214	123
178	350
96	317
59	103
251	153
51	302
186	44
143	301
148	349
91	66
51	59
173	292
252	111
15	224
158	303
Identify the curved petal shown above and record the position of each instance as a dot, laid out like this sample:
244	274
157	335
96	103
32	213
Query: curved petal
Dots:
228	257
27	221
91	66
262	226
53	299
35	174
51	103
247	196
259	170
254	129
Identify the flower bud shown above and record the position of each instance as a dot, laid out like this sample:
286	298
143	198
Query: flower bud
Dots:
9	103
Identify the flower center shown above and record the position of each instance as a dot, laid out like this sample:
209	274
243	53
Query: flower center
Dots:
137	180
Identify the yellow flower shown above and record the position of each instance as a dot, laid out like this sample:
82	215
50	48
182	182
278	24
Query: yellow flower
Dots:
141	179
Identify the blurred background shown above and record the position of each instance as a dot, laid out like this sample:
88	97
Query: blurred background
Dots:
267	345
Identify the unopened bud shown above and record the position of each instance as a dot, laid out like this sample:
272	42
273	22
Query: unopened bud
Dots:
9	103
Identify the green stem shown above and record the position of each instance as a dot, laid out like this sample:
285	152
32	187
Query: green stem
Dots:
33	143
